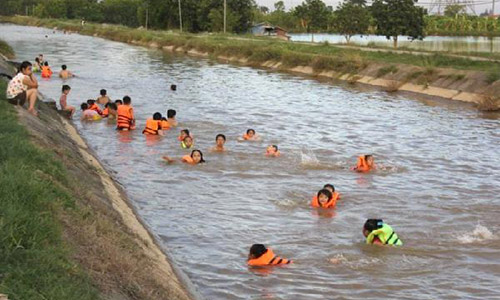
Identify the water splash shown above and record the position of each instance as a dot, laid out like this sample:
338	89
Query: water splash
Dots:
480	234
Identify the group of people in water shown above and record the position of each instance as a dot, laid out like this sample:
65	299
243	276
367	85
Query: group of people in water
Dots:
120	112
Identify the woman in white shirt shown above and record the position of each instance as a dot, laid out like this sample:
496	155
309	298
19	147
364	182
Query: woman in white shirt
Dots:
22	87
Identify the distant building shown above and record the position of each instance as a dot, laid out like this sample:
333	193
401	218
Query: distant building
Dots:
265	29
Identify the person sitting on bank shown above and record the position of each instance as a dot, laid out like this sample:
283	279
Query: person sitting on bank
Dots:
379	233
63	101
64	73
261	256
23	87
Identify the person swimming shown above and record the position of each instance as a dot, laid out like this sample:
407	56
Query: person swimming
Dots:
187	143
220	140
184	133
272	151
366	163
378	233
46	71
64	73
195	158
89	114
261	256
324	199
250	135
103	97
153	125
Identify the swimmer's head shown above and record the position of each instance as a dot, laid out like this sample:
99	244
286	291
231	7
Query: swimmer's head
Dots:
184	133
37	59
220	139
173	87
197	156
127	100
256	251
371	225
103	92
250	132
188	141
90	101
324	196
118	102
65	89
171	113
157	116
64	67
84	106
369	159
329	187
46	63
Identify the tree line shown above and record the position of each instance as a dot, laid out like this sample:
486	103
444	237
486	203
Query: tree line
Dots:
390	18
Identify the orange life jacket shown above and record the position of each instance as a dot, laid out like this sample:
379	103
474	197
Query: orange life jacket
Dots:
46	72
96	108
105	112
188	159
152	127
362	165
246	137
330	204
268	258
165	125
125	118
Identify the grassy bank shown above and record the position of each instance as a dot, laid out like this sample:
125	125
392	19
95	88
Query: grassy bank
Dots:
322	57
6	49
35	263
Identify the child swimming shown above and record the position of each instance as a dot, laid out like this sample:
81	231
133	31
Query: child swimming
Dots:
171	113
261	256
220	140
89	114
379	233
195	158
187	143
103	97
94	106
365	164
272	151
326	197
250	135
153	125
184	133
64	73
46	71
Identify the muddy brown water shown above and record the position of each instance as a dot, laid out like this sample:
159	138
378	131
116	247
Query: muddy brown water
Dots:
438	184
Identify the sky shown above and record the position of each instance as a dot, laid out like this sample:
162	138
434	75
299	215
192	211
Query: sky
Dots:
479	7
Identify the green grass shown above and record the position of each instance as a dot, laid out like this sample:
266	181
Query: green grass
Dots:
34	260
6	49
386	70
261	49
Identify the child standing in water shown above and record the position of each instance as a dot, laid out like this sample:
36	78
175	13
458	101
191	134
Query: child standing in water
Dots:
195	158
365	164
261	256
153	125
64	73
103	97
46	71
378	233
63	101
220	140
272	151
171	113
125	112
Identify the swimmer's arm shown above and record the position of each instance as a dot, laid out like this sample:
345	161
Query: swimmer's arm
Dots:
160	132
168	159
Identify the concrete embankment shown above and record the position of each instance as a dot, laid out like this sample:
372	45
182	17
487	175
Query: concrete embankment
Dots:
107	238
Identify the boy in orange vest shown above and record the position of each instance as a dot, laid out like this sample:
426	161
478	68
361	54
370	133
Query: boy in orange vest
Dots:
261	256
125	112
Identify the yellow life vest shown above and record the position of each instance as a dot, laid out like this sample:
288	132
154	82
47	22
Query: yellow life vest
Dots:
386	235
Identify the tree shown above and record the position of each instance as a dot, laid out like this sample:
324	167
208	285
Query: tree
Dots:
454	9
351	19
279	6
264	9
399	17
313	15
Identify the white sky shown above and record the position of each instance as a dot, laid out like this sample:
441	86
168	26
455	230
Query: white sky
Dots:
479	8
